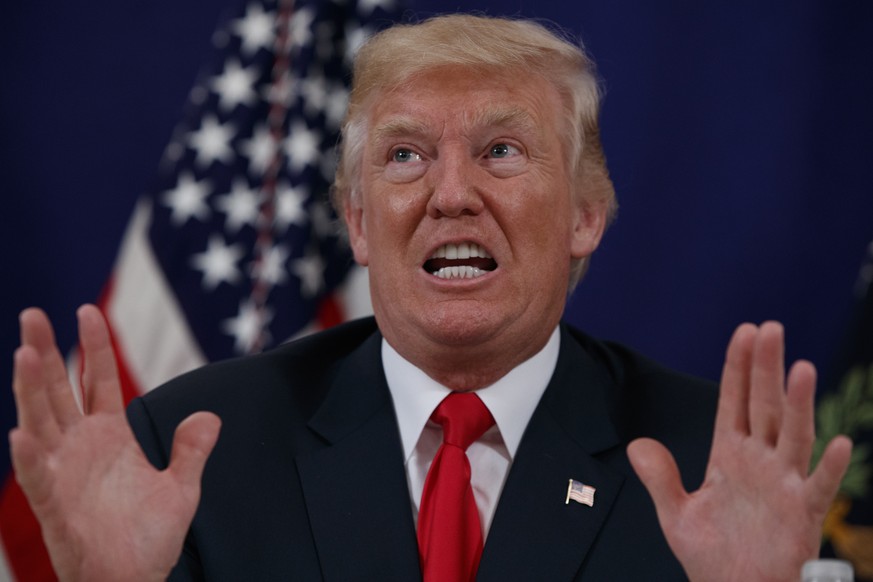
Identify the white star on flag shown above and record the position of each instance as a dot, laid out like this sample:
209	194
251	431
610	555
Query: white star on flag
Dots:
259	149
290	207
187	199
302	146
249	325
271	269
241	205
218	263
257	30
235	86
212	142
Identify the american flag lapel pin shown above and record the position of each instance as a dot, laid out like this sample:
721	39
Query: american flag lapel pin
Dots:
580	493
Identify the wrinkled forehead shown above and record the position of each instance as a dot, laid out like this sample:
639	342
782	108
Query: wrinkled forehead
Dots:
471	100
393	125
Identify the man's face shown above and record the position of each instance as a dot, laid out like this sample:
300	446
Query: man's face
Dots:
466	219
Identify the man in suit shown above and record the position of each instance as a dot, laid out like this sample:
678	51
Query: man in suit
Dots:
473	186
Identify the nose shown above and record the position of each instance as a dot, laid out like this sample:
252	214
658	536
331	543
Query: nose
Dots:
453	189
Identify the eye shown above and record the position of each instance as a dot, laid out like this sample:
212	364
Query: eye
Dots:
502	150
404	155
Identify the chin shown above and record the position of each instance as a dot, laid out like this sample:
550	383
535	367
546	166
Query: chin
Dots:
462	324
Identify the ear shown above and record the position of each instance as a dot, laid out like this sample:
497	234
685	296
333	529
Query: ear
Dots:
589	225
354	216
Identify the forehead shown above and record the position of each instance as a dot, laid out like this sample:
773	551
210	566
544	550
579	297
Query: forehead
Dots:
467	100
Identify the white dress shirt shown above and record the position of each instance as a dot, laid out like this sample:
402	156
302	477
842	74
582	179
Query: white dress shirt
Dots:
511	401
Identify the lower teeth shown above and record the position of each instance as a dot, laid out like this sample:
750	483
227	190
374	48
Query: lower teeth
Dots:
459	272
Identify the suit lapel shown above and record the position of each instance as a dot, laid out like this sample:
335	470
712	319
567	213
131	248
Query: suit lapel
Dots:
355	489
535	535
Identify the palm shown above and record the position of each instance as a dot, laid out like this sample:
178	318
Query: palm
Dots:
751	490
105	512
758	514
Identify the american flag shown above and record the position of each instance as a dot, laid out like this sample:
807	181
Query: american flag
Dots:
235	248
580	493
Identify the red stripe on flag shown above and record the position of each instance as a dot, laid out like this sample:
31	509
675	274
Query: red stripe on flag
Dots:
330	312
22	536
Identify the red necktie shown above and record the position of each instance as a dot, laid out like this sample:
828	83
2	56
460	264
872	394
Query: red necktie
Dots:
449	532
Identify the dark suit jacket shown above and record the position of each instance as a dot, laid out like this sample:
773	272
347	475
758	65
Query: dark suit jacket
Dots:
307	479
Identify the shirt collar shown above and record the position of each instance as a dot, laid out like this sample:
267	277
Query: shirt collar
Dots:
511	400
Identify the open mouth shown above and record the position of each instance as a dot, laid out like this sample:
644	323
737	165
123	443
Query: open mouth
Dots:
460	261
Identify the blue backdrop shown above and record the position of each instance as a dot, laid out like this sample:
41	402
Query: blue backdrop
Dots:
739	137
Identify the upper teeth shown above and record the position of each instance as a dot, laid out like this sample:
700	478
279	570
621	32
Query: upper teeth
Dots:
460	251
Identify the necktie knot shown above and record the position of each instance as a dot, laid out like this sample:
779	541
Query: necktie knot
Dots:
464	418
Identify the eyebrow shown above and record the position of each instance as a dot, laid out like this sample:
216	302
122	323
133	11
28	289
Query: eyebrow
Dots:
400	126
509	117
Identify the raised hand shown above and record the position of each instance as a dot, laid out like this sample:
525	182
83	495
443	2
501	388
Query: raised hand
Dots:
759	512
105	512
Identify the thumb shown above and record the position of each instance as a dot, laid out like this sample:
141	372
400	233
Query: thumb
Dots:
193	442
657	469
825	480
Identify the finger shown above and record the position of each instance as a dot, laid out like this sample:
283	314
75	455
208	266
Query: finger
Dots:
797	433
825	480
733	399
657	469
29	465
767	392
35	414
36	331
193	442
102	386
